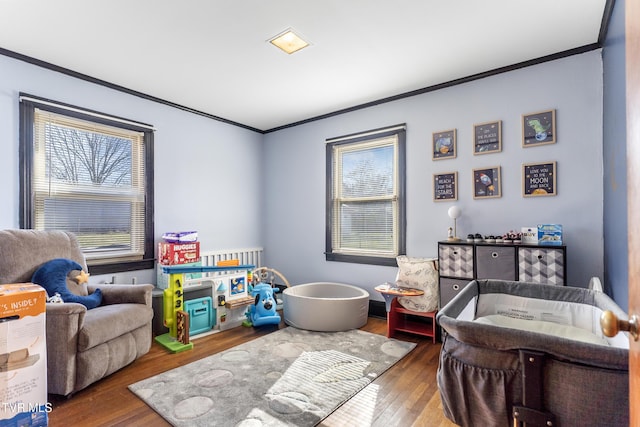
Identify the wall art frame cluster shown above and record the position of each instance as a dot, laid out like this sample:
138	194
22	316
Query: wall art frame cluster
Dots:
539	179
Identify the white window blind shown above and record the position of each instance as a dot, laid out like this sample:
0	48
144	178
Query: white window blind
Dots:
89	178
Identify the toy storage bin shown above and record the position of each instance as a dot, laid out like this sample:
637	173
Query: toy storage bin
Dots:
201	315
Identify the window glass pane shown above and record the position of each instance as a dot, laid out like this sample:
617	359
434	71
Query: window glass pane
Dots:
367	226
368	172
81	157
98	224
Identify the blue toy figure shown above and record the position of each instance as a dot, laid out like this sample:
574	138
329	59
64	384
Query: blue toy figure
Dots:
263	310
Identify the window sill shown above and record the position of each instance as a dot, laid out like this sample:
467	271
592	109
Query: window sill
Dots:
362	259
120	267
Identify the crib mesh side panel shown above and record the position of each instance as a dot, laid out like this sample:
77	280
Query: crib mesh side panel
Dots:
478	385
586	396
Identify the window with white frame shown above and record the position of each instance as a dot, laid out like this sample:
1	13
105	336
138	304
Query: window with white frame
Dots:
366	197
89	174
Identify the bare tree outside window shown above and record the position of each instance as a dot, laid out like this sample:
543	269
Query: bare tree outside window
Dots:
368	177
81	157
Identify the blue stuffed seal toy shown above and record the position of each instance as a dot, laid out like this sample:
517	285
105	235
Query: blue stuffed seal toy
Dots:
52	276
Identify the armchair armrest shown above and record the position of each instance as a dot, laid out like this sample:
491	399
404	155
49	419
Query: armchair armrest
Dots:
64	312
64	321
120	294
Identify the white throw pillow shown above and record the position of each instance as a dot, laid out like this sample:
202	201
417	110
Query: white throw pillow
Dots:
419	273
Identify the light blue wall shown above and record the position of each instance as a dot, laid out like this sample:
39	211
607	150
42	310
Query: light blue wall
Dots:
615	155
294	214
207	173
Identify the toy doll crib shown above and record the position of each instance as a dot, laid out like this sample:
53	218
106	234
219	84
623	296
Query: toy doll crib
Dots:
518	352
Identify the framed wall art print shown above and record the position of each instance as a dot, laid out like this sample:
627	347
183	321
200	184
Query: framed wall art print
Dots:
444	145
445	186
539	179
487	183
539	128
487	137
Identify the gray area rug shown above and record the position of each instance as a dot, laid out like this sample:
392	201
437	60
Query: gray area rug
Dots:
290	377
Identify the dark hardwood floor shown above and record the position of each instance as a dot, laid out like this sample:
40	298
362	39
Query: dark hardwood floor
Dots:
405	395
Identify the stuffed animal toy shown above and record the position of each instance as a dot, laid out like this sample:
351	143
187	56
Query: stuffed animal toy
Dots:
55	299
52	276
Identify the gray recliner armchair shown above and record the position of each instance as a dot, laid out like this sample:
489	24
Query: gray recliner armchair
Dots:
83	346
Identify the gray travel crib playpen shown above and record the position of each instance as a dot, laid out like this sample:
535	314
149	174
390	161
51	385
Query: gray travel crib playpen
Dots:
517	352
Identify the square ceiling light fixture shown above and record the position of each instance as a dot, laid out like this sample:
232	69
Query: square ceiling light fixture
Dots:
288	41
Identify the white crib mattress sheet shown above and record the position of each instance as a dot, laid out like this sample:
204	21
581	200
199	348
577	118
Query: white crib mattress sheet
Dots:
544	327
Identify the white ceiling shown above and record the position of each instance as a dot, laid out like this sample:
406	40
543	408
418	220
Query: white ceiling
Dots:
213	55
